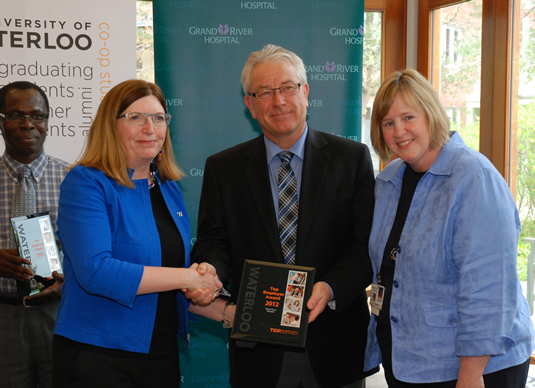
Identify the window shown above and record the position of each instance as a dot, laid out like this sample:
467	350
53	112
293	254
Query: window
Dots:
145	41
384	52
450	44
506	110
371	75
458	73
522	135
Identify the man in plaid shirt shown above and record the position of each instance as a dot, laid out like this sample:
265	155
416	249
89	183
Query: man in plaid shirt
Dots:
26	324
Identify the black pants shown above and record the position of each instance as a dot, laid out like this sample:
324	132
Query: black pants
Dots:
297	372
86	367
513	377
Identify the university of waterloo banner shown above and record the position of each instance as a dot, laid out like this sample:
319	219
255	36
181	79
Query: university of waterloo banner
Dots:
76	51
200	50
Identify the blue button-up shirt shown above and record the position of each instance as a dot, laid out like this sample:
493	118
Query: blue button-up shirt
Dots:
457	290
274	163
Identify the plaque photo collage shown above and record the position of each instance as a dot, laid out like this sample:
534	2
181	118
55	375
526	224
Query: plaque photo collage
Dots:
50	246
293	299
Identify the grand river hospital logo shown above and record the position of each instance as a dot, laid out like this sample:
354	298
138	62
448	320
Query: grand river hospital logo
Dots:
331	71
222	34
349	35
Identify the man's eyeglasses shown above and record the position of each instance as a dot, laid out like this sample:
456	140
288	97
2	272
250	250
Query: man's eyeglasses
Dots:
19	117
286	90
136	118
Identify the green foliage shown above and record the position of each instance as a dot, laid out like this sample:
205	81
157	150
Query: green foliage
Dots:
525	182
469	132
371	60
525	174
522	261
527	50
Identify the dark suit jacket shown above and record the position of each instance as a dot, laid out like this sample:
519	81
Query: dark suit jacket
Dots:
237	221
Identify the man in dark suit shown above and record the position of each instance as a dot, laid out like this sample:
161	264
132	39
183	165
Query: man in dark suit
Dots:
238	220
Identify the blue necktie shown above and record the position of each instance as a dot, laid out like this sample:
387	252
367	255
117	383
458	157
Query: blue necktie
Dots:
288	208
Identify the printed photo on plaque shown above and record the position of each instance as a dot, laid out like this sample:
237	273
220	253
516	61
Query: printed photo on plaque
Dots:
271	304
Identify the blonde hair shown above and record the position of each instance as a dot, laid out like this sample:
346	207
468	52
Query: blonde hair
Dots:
419	94
104	150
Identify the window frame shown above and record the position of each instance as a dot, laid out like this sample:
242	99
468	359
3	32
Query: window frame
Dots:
394	36
498	112
394	53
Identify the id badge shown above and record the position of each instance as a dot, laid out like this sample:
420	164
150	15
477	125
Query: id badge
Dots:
376	298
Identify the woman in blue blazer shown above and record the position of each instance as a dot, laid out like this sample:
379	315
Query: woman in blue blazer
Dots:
125	235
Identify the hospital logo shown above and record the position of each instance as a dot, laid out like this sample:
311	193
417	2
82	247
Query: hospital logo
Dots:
330	71
350	35
222	34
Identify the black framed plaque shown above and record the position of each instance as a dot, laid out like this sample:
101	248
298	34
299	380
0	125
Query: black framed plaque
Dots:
271	306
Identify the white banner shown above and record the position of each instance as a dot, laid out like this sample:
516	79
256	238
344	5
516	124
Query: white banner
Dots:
76	51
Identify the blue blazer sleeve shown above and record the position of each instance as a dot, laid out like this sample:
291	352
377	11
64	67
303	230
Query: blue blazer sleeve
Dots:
89	208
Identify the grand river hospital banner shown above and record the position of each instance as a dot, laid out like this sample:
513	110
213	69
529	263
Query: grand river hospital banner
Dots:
200	50
76	51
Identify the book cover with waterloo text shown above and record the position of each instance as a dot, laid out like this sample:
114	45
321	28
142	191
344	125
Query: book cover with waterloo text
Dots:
271	305
36	241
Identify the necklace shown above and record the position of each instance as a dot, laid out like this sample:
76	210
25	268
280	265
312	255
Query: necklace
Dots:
152	180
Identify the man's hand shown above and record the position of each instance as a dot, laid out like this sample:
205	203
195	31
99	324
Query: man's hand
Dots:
321	295
11	265
198	296
54	291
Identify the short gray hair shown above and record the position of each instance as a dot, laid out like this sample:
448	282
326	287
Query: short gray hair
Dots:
272	53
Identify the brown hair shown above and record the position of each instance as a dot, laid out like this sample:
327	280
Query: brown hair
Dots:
104	150
417	93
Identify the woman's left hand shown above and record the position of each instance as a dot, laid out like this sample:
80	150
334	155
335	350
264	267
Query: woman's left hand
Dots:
471	372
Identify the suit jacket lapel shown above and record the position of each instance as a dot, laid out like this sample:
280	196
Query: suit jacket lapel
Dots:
257	179
314	172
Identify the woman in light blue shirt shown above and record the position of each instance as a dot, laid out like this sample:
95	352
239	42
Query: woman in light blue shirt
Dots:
444	248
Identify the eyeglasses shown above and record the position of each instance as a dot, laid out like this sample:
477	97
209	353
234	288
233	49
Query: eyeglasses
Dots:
19	117
286	90
136	118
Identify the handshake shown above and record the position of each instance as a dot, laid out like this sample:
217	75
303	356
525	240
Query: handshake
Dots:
205	286
204	294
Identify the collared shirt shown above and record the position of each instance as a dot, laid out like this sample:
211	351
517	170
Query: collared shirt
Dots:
455	291
47	174
274	163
